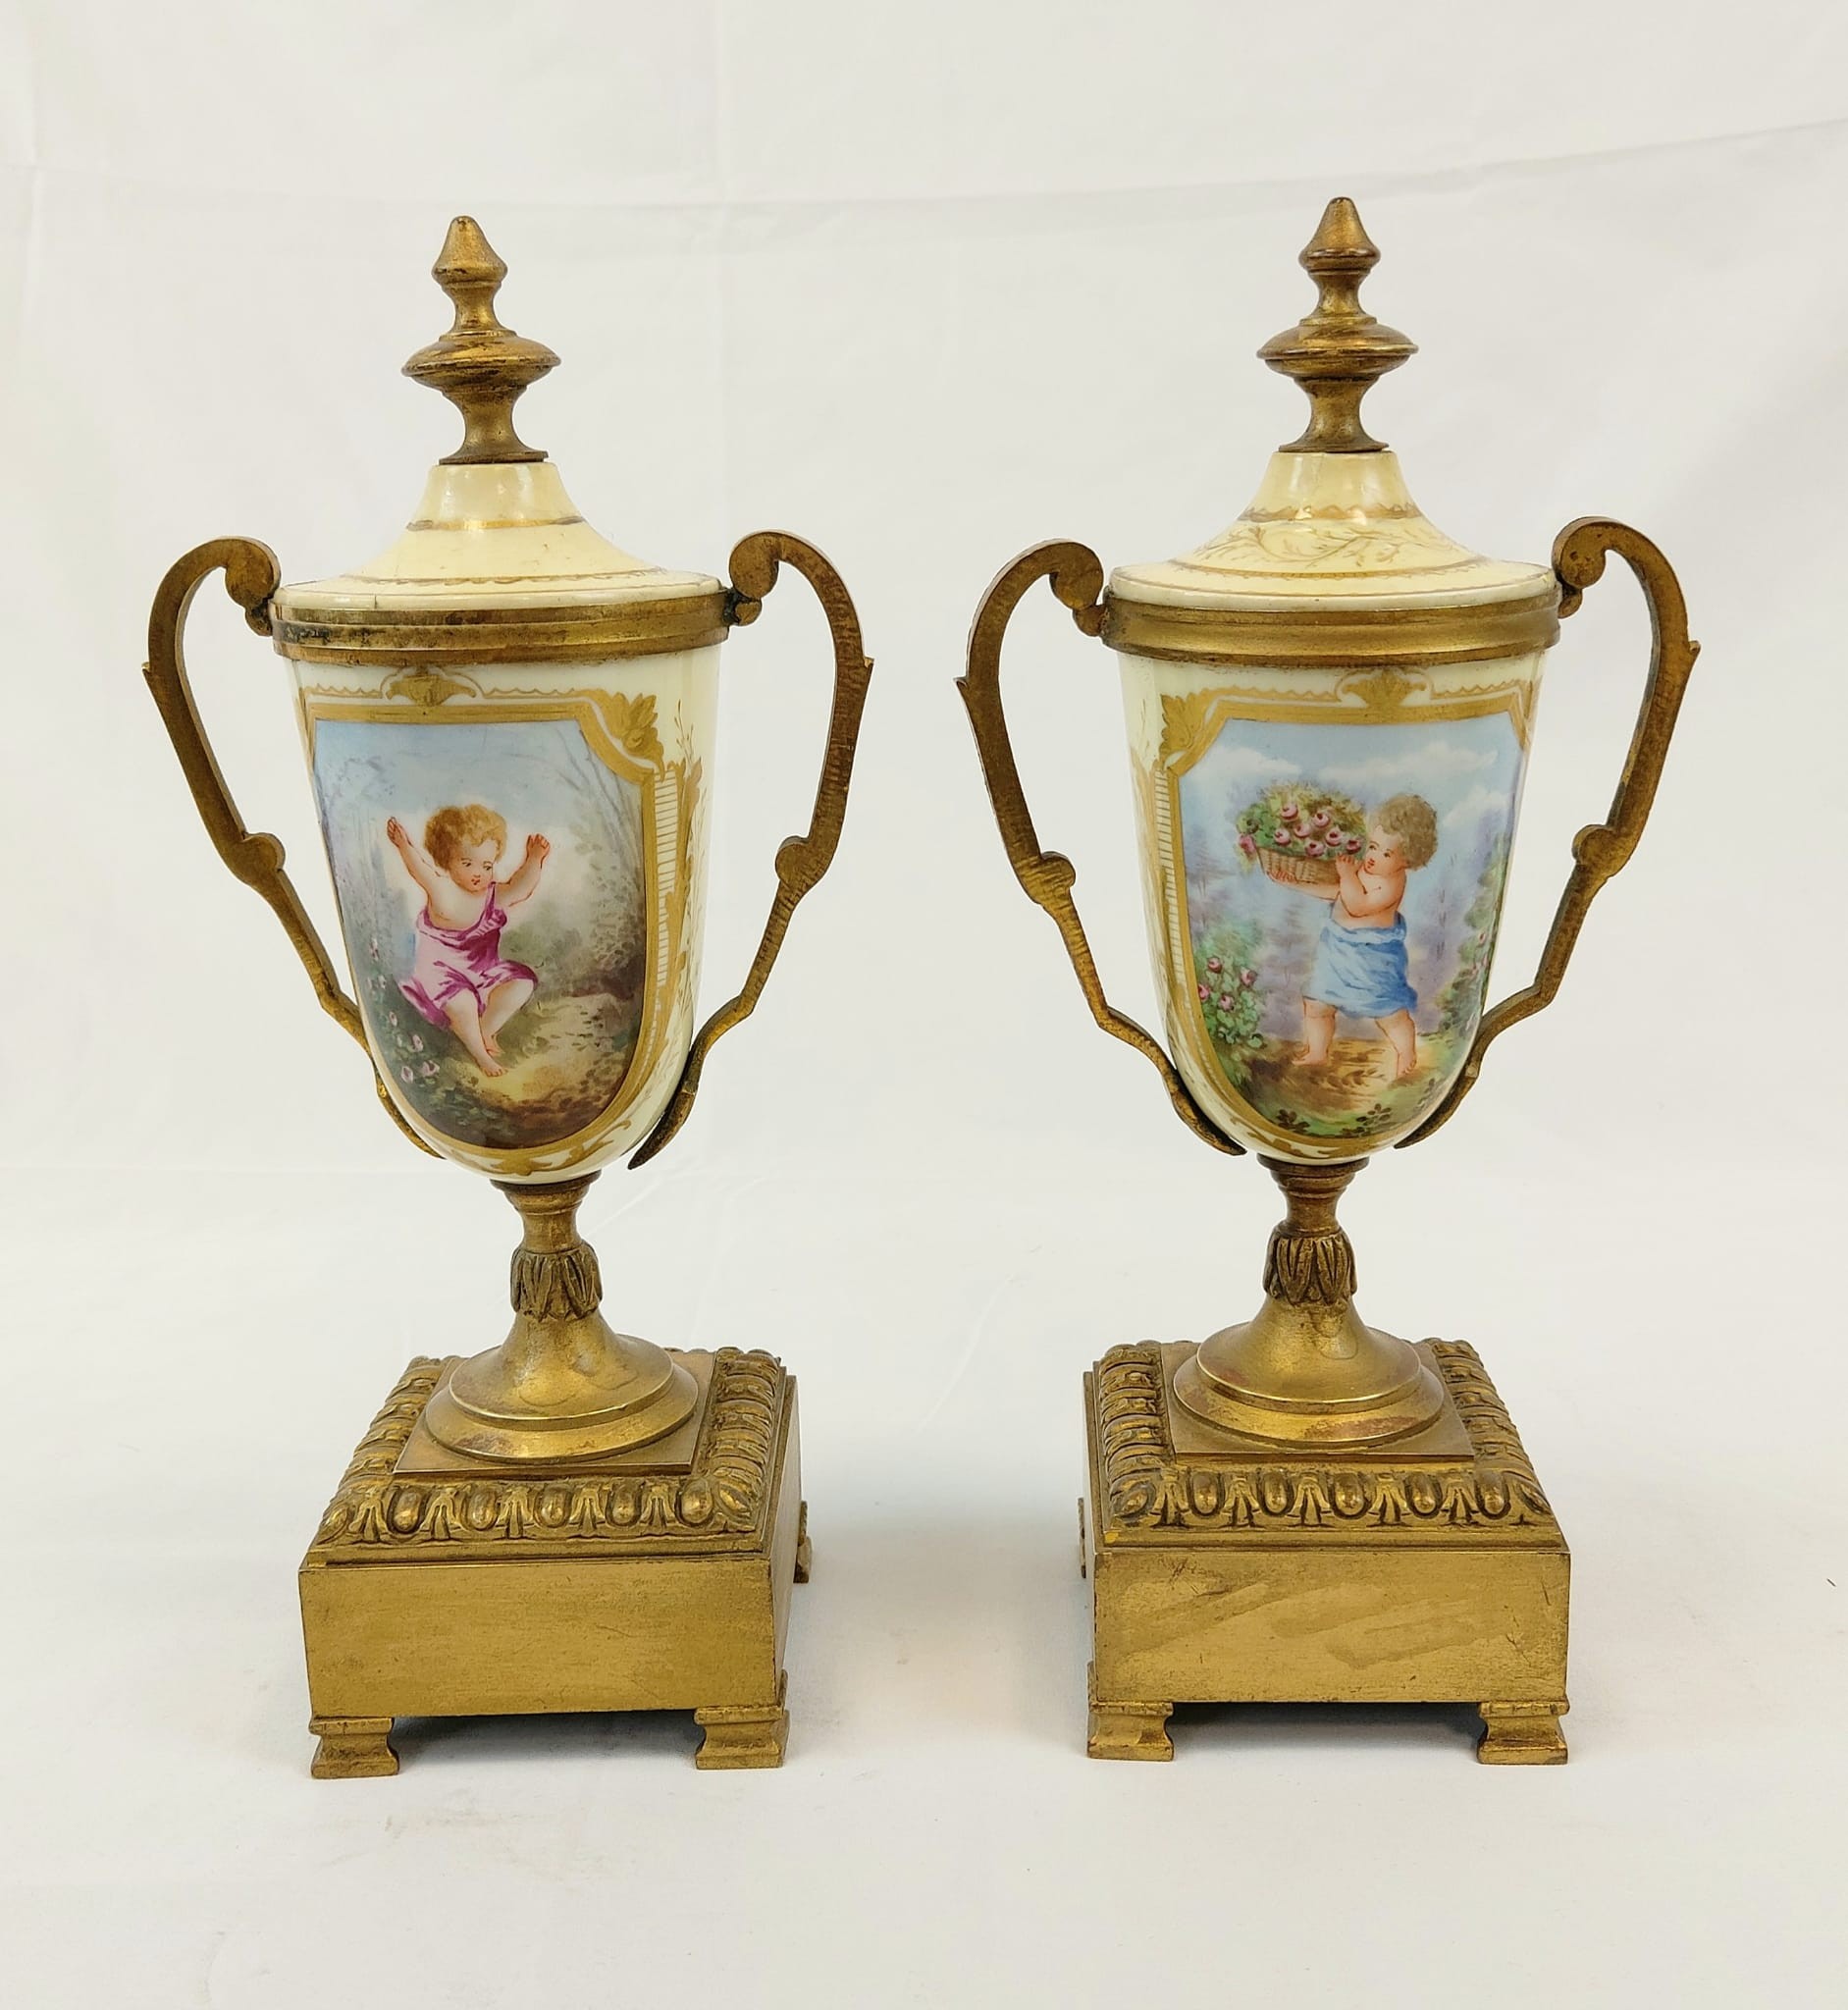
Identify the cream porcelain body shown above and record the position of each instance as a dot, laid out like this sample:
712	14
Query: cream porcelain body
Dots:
1247	958
607	762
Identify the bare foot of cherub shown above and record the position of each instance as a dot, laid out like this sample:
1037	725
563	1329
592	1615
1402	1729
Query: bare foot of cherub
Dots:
464	1017
1403	1037
1318	1034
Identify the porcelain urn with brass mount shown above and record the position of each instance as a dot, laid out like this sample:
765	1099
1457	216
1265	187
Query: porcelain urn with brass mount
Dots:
1328	709
510	728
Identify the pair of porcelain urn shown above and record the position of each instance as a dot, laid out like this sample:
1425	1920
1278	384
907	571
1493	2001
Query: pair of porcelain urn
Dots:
510	729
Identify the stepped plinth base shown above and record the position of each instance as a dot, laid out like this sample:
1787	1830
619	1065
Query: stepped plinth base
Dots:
1235	1569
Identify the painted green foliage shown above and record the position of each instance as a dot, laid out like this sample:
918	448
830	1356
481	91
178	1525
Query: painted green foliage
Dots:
1461	998
1232	1000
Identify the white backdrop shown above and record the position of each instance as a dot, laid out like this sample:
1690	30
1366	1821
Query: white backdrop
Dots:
924	284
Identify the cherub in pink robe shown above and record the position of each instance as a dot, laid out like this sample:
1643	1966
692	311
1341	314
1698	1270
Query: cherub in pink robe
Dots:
460	979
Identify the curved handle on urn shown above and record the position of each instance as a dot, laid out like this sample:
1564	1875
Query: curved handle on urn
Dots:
252	576
1601	850
1076	579
800	860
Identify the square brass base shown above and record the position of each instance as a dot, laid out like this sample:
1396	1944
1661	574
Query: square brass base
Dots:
657	1578
1231	1570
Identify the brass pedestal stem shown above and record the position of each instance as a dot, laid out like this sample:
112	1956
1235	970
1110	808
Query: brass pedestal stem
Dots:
562	1384
1308	1370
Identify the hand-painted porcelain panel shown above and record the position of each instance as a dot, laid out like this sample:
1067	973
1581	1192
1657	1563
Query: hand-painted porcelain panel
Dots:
1323	857
518	863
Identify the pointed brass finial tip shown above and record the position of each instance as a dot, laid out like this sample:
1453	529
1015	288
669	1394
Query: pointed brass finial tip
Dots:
1338	351
467	259
1341	234
480	365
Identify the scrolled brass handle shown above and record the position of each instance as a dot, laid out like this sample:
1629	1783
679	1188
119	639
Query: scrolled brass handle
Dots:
800	860
252	576
1599	851
1076	578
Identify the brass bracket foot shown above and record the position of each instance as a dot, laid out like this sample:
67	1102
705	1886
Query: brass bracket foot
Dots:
352	1748
738	1738
1127	1730
805	1552
1523	1733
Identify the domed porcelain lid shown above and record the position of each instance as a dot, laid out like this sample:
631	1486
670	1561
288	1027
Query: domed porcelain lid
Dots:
1333	561
498	564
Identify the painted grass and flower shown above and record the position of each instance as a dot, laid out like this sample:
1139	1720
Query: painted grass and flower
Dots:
563	1060
1353	1094
1226	976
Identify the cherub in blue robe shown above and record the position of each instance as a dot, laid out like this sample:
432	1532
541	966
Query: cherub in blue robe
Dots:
1361	966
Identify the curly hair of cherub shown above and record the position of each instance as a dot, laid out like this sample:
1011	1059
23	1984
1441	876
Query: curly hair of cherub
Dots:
1413	821
461	823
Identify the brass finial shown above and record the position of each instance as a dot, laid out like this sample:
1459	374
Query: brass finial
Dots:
1338	350
480	365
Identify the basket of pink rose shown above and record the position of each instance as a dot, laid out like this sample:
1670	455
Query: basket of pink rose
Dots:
1297	832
